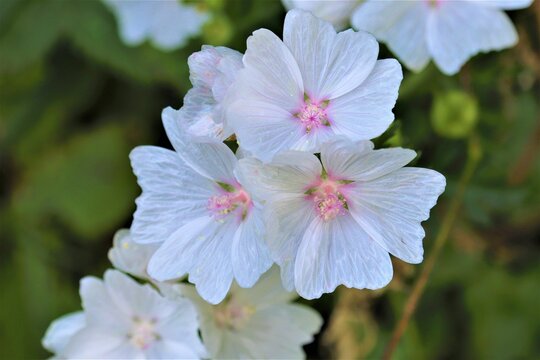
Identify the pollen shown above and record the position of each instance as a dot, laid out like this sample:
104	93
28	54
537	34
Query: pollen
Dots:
328	199
143	333
232	200
313	114
232	315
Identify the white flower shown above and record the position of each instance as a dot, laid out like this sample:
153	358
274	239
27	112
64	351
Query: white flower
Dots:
196	202
256	323
125	320
167	23
311	87
212	71
336	223
447	31
130	257
61	331
337	12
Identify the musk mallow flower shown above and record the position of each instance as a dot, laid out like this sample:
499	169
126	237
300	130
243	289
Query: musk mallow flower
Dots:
447	31
129	256
196	203
125	320
256	323
337	12
335	221
212	70
168	24
314	85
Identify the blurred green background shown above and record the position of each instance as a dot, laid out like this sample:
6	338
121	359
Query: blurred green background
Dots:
74	100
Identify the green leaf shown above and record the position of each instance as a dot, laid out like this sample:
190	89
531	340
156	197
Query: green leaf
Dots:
87	184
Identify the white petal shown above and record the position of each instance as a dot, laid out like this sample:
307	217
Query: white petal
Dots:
339	252
213	160
287	219
201	248
229	65
100	343
128	256
401	25
336	12
133	21
350	161
278	332
167	349
366	112
263	128
134	299
506	4
268	291
390	209
331	64
453	38
62	330
250	255
173	194
99	307
290	172
271	71
173	23
182	326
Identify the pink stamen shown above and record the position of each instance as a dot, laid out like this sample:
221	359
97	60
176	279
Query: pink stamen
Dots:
313	114
328	199
227	202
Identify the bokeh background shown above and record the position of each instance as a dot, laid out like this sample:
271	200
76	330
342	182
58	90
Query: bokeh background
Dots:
74	100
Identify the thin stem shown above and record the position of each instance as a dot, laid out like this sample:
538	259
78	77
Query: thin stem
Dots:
474	154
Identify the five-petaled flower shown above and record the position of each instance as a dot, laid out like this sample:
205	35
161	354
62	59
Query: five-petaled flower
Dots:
311	87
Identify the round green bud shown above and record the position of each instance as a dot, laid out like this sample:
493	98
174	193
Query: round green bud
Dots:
454	114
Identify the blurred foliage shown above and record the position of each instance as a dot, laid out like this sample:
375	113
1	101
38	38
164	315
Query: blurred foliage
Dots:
74	100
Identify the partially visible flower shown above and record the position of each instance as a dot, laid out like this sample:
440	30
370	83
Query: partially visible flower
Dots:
212	71
130	257
168	24
335	223
60	332
256	323
449	32
314	85
337	12
196	202
125	320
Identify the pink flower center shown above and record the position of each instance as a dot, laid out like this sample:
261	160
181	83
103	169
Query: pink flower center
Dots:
328	199
232	315
143	333
231	199
434	3
313	114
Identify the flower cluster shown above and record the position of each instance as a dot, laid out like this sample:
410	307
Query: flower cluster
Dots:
305	190
447	31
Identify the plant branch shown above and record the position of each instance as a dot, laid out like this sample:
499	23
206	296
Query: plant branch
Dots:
474	154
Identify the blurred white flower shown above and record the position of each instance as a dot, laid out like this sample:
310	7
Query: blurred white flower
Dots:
61	331
447	31
125	320
337	12
196	202
256	323
130	257
168	24
336	223
212	70
314	85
